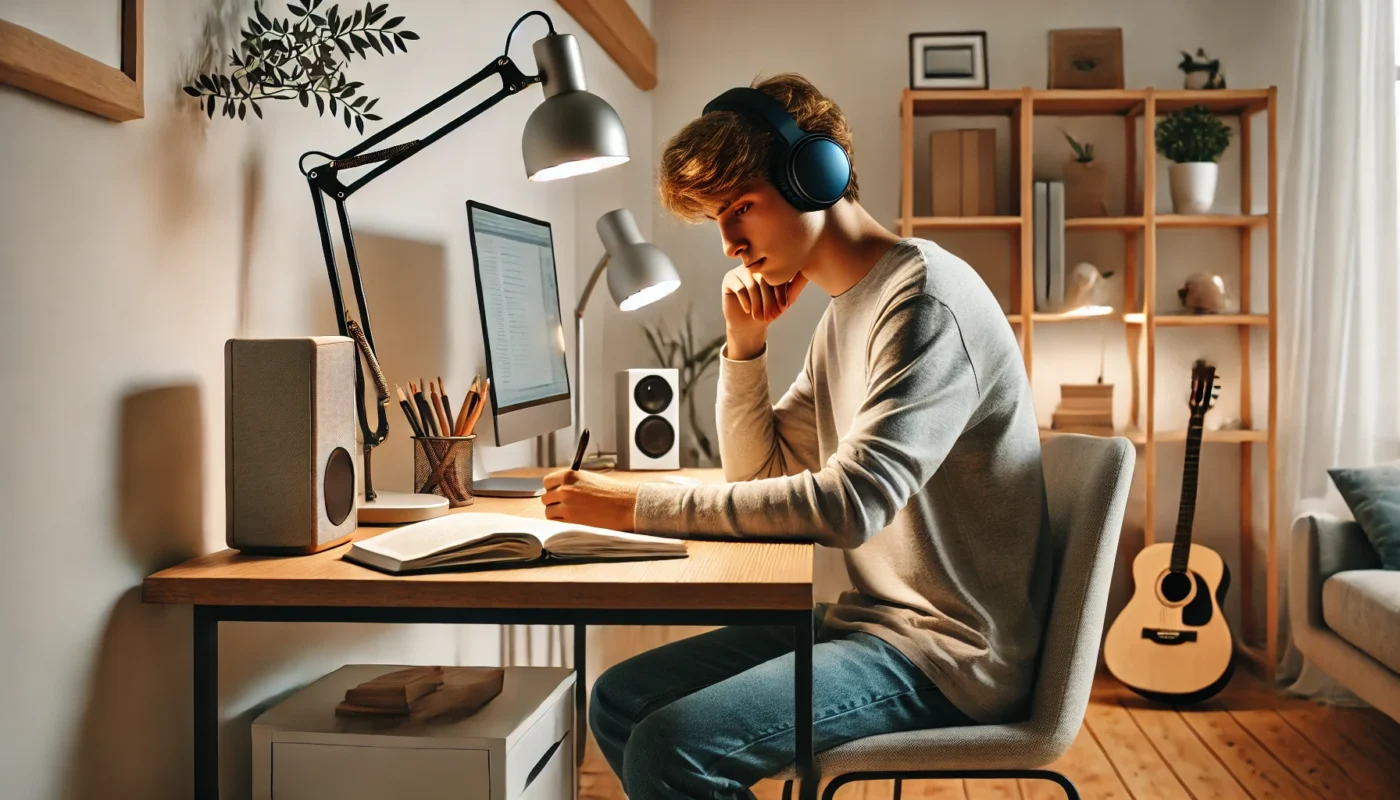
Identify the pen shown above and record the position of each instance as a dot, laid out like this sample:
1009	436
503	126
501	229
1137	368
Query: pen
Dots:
408	412
582	448
446	406
425	411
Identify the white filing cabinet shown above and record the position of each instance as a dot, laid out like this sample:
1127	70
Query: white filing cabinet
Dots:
519	746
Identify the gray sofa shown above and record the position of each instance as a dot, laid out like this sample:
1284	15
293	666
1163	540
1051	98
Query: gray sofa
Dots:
1345	609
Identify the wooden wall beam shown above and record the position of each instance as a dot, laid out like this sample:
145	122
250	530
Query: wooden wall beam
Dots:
40	65
617	28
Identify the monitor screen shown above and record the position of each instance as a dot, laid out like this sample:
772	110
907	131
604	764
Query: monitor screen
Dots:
518	292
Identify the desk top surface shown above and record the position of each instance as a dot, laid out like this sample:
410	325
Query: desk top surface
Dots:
716	575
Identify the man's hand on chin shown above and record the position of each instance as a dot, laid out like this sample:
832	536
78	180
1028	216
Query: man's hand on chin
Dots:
590	499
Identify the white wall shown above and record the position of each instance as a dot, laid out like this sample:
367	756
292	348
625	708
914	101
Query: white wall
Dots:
130	253
857	53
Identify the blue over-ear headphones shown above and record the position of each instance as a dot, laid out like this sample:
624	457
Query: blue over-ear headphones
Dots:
810	170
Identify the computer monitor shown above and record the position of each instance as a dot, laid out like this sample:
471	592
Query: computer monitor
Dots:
518	293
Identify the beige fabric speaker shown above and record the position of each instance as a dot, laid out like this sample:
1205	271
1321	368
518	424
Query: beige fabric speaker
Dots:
289	407
648	419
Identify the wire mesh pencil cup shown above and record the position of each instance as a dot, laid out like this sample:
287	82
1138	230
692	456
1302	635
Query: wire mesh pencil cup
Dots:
442	465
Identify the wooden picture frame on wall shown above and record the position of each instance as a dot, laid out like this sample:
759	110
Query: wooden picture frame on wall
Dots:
40	65
1086	58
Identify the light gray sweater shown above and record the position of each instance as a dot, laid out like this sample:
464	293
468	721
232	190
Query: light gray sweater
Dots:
909	441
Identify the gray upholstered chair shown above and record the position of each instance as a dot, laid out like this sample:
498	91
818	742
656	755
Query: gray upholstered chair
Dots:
1086	481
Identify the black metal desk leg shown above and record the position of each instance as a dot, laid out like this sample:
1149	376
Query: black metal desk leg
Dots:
206	703
802	693
581	687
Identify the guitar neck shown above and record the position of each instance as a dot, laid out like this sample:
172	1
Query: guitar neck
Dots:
1186	513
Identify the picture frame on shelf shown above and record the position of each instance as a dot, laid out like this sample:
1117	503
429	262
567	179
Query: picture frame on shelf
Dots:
948	60
1086	58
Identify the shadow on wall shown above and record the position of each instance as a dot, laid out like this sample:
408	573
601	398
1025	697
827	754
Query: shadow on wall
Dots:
133	740
407	285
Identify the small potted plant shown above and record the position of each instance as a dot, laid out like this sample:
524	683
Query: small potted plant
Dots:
1193	139
1086	184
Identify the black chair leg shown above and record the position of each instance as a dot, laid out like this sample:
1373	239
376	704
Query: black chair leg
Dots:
1071	793
787	790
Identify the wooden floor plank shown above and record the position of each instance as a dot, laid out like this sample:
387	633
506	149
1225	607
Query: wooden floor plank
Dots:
932	790
1376	772
1256	770
1307	763
1203	775
1086	765
1141	768
990	789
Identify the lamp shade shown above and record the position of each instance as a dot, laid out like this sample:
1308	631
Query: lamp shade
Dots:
573	131
638	272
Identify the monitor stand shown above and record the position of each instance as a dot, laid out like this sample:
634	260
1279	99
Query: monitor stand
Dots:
508	487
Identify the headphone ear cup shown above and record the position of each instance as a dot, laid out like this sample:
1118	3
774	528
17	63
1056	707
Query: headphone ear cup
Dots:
781	178
818	171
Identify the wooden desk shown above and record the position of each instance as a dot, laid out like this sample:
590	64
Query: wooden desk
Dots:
720	583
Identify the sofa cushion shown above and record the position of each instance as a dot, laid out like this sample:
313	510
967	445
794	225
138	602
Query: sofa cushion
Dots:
1373	495
1363	607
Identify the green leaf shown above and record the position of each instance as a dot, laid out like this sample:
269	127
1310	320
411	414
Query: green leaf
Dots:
304	98
320	106
318	19
389	43
359	43
344	48
409	35
256	109
374	42
347	117
355	20
208	83
211	108
262	18
295	9
359	101
225	83
392	23
360	124
333	105
371	104
373	117
191	91
242	110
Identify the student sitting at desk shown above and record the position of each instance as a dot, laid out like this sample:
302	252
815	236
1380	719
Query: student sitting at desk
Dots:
908	440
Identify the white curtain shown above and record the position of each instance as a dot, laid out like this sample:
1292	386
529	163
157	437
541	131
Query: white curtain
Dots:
1339	298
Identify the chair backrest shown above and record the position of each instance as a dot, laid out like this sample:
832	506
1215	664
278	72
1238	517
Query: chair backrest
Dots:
1086	485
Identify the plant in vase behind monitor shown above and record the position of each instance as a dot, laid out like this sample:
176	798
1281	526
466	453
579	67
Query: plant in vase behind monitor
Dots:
1086	183
1193	139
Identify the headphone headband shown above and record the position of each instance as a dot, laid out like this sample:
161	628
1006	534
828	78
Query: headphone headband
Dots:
756	105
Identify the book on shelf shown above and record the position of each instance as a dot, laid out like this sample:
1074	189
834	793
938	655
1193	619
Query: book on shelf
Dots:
1048	220
477	540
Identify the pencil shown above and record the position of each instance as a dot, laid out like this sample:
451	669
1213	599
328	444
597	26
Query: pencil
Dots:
460	426
480	406
441	415
446	406
425	411
408	412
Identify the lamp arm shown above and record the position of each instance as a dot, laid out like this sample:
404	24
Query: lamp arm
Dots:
578	340
324	180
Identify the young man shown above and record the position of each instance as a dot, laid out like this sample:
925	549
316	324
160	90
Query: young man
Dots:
908	440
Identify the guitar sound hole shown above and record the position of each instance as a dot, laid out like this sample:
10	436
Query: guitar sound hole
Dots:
1176	586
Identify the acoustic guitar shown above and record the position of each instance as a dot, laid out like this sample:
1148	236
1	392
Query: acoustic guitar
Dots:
1171	641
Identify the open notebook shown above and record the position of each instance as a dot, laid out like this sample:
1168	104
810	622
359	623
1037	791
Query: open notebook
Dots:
477	539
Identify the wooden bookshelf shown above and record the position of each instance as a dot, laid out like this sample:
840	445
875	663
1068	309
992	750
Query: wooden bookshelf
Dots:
1142	318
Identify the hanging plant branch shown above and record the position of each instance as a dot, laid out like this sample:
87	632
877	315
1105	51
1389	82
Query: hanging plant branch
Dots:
303	58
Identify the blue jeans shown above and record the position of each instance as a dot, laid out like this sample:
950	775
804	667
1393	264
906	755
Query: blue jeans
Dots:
709	716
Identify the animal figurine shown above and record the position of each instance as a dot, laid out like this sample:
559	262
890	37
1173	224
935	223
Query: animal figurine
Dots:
1204	294
1202	71
1082	285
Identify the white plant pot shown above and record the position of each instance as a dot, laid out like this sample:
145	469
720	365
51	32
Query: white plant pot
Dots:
1193	186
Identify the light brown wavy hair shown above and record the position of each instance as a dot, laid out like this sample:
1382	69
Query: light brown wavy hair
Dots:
709	162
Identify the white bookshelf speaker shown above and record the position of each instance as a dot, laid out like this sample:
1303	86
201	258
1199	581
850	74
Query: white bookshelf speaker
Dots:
648	419
289	440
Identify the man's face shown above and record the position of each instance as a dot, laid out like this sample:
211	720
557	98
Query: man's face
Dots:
768	235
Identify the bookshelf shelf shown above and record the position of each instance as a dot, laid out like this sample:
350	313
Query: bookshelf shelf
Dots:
1105	223
1197	320
1211	220
966	223
1140	277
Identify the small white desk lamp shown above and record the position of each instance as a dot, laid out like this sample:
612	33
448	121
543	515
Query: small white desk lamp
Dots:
638	274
